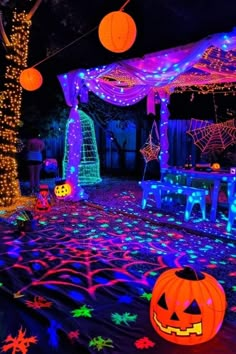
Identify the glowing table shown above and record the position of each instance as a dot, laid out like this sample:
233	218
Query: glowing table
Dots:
215	178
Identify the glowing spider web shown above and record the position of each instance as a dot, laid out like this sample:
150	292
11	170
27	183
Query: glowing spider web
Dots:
212	136
150	150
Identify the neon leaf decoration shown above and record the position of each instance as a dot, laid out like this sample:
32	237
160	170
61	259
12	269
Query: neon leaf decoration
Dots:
100	343
144	343
212	136
19	344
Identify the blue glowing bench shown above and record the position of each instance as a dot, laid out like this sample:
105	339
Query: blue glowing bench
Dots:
194	195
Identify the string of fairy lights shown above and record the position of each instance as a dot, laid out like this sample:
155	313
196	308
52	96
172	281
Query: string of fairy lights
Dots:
223	89
10	100
214	59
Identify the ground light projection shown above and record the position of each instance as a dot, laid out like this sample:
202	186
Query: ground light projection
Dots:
82	281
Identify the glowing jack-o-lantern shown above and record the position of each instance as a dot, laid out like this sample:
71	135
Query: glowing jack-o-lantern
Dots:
62	189
187	307
215	166
117	31
31	79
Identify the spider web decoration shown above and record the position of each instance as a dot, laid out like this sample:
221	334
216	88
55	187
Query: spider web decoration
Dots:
212	136
150	149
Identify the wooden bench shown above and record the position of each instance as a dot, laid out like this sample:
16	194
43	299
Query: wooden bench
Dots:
194	195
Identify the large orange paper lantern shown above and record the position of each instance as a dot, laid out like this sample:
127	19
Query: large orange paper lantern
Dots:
31	79
117	31
187	307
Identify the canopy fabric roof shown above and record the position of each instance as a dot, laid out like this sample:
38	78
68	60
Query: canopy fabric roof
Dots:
211	60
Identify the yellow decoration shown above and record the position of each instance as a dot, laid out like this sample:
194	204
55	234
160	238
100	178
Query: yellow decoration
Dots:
62	189
117	31
31	79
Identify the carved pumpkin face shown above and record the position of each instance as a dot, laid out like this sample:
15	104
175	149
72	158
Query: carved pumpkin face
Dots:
215	166
186	307
62	189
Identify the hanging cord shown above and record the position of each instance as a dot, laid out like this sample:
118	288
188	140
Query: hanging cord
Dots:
154	126
76	40
215	107
68	45
123	7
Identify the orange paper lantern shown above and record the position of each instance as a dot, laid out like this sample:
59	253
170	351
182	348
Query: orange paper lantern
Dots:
117	31
187	307
215	166
31	79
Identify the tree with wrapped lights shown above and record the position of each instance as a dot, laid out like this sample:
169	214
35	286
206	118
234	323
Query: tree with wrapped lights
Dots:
11	100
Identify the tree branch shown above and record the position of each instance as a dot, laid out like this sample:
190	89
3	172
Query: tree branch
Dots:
3	33
33	10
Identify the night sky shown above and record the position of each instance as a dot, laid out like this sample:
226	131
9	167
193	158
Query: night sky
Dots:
64	36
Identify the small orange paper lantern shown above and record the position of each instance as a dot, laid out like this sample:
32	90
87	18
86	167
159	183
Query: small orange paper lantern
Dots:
215	166
117	31
187	307
31	79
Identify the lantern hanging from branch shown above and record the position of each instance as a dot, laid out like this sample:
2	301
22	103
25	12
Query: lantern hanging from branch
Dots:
117	31
31	79
187	307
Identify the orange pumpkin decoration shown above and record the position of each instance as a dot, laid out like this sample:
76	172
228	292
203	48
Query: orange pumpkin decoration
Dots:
31	79
43	203
187	307
62	189
215	166
117	31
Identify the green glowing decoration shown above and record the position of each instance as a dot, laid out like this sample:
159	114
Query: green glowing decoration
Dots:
83	311
125	318
89	164
99	343
147	296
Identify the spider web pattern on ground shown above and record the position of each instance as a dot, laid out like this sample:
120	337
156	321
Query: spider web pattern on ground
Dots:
99	260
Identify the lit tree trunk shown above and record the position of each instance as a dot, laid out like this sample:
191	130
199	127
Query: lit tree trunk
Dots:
10	102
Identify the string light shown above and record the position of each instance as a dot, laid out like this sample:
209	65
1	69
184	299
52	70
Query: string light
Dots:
225	89
11	99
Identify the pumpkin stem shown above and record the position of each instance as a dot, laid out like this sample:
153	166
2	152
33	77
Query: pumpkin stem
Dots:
189	274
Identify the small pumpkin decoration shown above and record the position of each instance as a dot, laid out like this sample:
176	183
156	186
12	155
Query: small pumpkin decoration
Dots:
43	203
215	166
117	31
187	307
62	189
31	79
